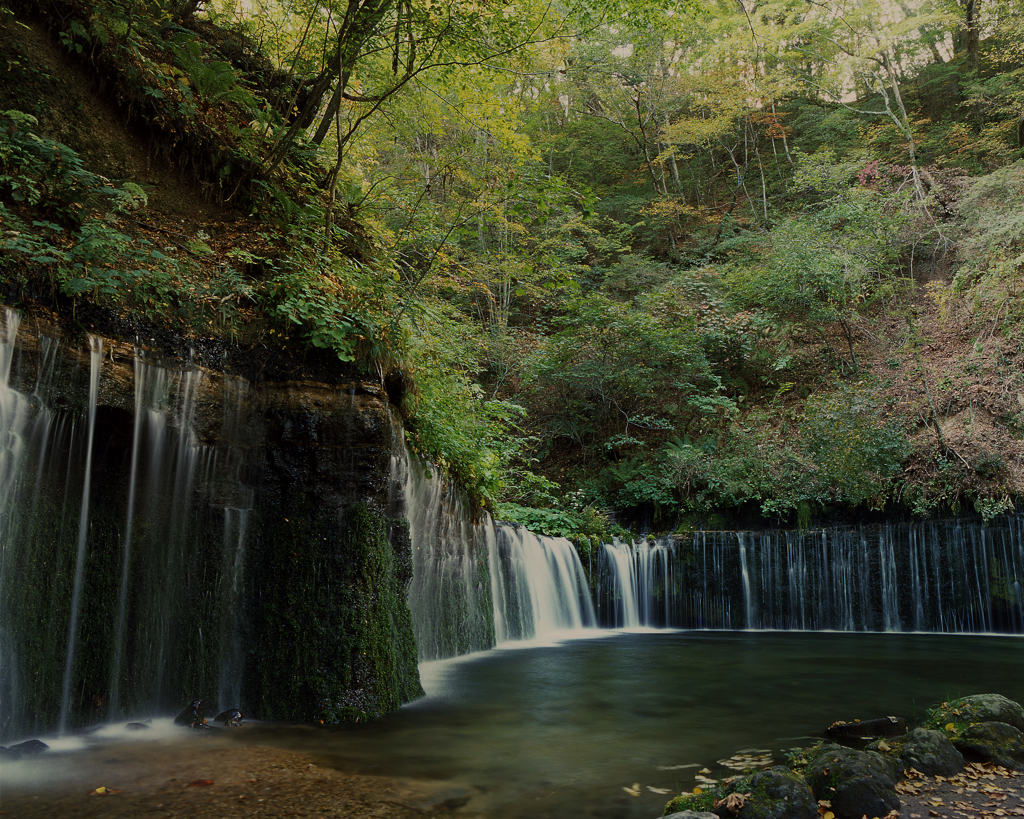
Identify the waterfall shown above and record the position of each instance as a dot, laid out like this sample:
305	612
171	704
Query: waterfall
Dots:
169	533
105	598
95	360
935	576
476	584
450	596
163	538
635	580
540	590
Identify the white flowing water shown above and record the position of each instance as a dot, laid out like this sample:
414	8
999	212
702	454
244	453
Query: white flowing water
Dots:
450	595
95	361
149	548
476	584
540	589
934	576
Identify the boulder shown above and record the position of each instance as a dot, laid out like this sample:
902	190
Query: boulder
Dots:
856	783
193	716
231	718
930	752
980	708
992	742
776	793
923	749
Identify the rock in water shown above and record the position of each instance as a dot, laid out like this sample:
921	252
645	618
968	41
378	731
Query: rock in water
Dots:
192	716
884	727
857	783
231	718
777	793
29	748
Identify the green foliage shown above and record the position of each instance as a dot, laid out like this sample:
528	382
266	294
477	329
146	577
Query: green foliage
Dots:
824	266
614	370
475	439
213	81
992	247
40	173
701	802
574	523
81	252
839	450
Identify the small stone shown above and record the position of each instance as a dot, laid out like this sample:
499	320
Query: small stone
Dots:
29	748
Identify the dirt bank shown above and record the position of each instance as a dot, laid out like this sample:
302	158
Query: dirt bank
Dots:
209	779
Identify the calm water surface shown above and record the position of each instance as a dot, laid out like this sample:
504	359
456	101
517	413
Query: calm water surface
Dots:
559	730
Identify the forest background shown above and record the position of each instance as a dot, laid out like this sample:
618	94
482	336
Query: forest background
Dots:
667	265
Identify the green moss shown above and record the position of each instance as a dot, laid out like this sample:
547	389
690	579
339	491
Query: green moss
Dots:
333	639
699	802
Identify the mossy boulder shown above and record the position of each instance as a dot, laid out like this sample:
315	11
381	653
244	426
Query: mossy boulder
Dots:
992	742
691	814
925	750
776	793
856	783
691	804
931	753
978	708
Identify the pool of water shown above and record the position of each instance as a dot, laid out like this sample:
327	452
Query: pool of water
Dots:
556	730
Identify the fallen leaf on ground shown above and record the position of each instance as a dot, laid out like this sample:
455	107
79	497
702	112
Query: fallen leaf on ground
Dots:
733	803
199	783
103	791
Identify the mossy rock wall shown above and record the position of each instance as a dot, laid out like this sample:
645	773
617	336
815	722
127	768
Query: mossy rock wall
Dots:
268	558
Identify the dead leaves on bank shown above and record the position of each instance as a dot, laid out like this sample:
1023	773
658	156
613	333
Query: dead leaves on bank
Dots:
980	790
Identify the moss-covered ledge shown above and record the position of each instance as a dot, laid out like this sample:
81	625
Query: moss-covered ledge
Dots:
332	637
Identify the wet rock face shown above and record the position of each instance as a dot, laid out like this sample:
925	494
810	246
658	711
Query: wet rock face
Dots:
857	783
291	558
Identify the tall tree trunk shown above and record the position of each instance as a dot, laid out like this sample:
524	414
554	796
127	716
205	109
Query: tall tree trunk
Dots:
972	34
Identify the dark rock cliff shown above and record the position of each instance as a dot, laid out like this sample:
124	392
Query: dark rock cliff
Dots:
244	541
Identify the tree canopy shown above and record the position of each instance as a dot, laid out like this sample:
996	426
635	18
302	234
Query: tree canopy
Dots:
660	262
